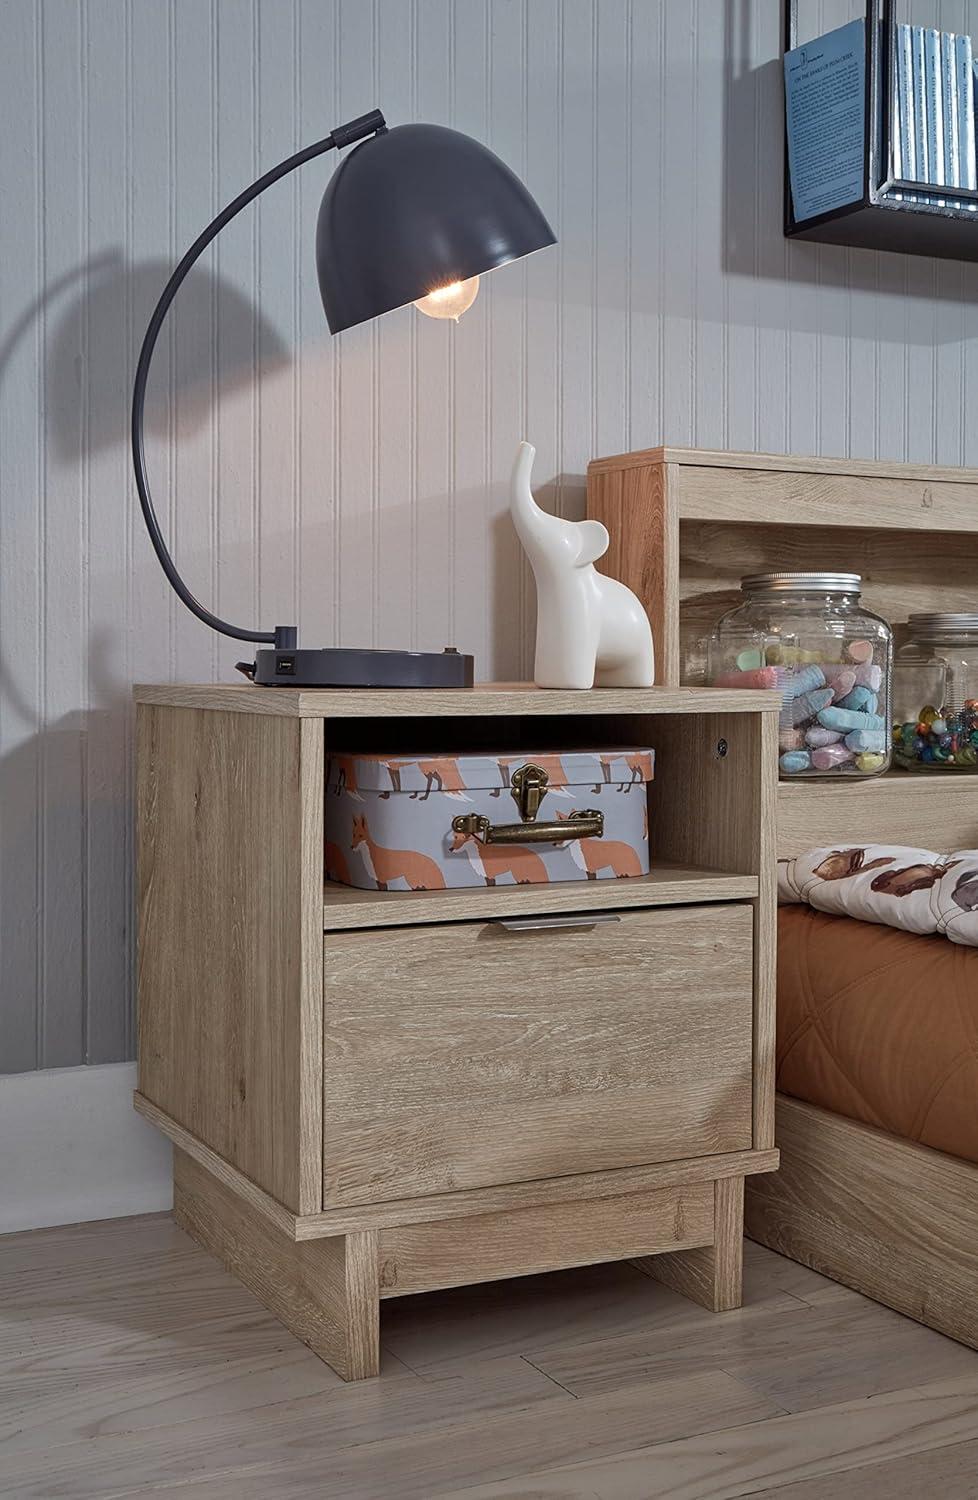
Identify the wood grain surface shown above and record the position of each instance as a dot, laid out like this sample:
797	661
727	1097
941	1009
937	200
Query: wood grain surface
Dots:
711	1274
666	884
422	1257
324	1291
469	1056
229	839
919	810
491	698
888	1217
131	1364
784	463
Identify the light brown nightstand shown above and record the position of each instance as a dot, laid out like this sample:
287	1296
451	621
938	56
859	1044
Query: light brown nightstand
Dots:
378	1093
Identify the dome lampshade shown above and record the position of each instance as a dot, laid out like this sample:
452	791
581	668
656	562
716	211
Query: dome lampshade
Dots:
411	210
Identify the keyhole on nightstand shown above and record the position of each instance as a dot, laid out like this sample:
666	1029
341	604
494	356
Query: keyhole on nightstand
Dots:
722	748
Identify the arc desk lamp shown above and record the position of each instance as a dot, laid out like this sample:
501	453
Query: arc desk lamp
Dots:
415	214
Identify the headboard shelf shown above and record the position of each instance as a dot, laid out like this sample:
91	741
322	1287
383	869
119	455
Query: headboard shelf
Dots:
921	810
686	524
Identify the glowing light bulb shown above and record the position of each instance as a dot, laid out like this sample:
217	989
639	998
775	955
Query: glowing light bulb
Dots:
449	301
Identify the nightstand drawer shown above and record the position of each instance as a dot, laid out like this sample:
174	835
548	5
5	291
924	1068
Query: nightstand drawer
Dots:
473	1054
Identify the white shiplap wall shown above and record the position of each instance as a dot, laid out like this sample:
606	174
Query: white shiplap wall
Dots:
359	484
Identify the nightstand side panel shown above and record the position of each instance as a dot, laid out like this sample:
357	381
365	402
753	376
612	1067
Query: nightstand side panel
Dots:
229	889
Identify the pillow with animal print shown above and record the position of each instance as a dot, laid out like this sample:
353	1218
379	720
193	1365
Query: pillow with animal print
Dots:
914	889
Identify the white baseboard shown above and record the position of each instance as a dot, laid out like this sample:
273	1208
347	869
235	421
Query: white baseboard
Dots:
72	1149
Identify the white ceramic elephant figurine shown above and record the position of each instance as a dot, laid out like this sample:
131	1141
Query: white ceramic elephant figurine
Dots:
591	630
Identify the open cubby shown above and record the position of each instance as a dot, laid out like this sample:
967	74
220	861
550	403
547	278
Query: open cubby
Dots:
703	804
687	524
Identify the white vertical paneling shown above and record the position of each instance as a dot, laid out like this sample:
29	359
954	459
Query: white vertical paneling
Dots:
23	319
357	368
504	296
609	310
316	429
358	485
467	579
707	196
106	376
646	213
277	234
677	124
61	805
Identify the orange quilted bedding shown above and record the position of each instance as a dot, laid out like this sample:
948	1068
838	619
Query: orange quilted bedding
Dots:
880	1026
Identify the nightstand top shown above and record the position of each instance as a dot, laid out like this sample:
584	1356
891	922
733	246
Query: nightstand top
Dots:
484	700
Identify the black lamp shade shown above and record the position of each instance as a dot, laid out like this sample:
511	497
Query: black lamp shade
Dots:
413	209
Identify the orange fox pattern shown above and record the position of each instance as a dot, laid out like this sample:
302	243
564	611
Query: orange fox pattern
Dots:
393	769
391	791
445	773
494	860
638	763
592	855
387	865
336	865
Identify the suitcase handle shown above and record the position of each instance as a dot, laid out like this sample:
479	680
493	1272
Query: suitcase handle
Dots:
579	825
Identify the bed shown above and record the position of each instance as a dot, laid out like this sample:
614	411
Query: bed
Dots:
877	1072
877	1188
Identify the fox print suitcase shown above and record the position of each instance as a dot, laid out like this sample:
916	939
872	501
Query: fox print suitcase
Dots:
437	822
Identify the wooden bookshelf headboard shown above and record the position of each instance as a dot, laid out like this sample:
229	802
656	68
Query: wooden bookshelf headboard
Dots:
686	524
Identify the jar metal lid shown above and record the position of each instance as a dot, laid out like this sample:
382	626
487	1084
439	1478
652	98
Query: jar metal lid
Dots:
796	583
943	624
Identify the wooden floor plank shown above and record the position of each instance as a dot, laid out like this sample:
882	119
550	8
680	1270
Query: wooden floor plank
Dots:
748	1460
131	1364
765	1271
270	1434
846	1358
536	1313
951	1472
756	1337
422	1464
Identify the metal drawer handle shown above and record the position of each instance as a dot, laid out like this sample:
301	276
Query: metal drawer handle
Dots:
579	825
535	924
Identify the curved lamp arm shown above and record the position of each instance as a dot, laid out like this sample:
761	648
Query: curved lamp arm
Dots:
283	636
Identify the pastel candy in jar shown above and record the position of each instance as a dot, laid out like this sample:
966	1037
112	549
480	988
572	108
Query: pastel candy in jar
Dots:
834	708
808	635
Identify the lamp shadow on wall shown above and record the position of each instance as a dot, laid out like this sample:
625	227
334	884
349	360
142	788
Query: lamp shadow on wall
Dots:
753	242
64	783
215	331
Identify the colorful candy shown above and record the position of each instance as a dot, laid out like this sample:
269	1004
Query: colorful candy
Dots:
943	739
848	718
818	737
754	677
807	706
831	757
873	740
830	722
862	699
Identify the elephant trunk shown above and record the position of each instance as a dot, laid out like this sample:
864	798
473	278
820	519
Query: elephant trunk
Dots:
533	525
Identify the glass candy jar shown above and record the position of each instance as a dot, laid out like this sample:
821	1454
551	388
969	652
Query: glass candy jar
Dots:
935	695
808	635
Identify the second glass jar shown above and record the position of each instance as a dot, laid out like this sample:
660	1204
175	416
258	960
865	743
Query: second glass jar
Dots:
809	636
935	695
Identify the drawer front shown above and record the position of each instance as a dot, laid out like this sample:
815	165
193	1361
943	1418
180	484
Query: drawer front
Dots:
467	1055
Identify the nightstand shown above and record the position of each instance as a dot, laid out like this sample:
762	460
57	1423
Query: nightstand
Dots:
378	1093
